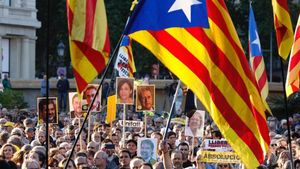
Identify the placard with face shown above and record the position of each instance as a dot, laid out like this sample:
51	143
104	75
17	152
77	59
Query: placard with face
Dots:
195	125
87	98
147	149
52	110
125	90
145	98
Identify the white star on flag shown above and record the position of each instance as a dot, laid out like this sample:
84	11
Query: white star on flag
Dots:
256	41
185	6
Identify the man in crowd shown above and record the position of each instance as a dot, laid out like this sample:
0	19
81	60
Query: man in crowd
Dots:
51	110
62	88
145	96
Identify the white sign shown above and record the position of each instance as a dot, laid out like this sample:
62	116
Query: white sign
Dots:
131	123
217	145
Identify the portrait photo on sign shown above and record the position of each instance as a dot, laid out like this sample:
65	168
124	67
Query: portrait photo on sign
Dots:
194	125
87	98
75	105
52	109
125	90
146	149
145	100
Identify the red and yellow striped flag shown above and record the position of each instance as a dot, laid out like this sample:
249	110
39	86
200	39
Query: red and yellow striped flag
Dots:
88	39
210	60
283	27
292	81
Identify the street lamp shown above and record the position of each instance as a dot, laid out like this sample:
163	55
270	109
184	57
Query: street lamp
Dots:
61	52
61	49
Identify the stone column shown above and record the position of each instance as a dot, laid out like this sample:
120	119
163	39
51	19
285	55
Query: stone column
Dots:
25	63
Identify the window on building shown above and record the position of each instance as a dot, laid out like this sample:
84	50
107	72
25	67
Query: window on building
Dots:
5	56
7	2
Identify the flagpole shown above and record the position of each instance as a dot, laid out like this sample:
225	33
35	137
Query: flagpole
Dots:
109	63
47	82
171	111
287	113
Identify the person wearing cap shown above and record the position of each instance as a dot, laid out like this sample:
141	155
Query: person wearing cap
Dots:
8	126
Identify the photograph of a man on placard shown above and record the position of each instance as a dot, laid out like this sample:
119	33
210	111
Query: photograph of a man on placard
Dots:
52	109
125	90
146	149
195	124
88	95
145	98
75	105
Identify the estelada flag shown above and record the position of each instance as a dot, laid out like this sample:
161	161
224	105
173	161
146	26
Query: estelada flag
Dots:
196	40
88	39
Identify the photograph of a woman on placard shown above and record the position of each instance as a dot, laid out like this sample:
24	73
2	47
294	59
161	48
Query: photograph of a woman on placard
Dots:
52	110
145	98
195	124
125	91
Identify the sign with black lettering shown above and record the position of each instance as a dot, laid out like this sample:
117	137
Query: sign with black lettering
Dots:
219	157
131	123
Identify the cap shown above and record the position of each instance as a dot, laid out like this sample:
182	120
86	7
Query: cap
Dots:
29	129
9	124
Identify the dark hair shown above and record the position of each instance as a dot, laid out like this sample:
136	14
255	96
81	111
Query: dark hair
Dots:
182	144
147	164
125	151
121	82
4	164
171	133
131	141
88	88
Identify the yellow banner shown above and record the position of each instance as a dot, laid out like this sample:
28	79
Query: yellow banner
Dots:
219	157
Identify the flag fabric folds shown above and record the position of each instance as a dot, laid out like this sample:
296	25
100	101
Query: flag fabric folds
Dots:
283	27
210	60
125	63
256	58
88	40
292	81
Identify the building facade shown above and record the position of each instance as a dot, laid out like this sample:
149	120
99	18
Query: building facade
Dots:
18	24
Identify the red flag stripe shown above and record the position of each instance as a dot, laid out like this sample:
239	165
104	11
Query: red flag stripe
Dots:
295	60
70	17
217	17
283	4
96	58
89	21
226	65
262	81
201	71
81	83
256	61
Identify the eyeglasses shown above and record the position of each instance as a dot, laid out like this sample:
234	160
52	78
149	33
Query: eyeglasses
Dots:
273	145
91	147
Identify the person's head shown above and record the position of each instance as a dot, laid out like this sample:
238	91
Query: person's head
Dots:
136	163
41	136
147	149
223	166
100	159
30	164
131	145
93	146
96	137
145	97
7	151
125	90
171	136
195	121
297	164
76	105
124	157
146	166
71	164
90	93
184	148
176	158
51	109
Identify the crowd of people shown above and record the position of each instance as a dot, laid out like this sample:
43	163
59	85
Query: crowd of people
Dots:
107	146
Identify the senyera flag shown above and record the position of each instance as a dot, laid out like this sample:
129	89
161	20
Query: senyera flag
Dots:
125	63
283	27
292	81
88	39
256	58
197	41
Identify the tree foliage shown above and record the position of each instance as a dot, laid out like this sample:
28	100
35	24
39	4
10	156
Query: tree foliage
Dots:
11	99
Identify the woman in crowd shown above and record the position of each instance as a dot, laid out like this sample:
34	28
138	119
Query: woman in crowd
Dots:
7	151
